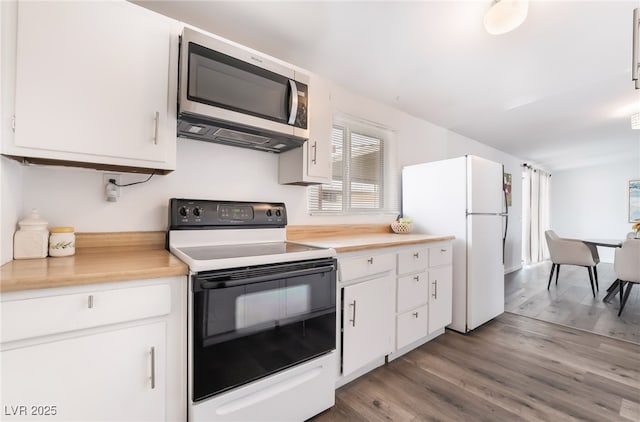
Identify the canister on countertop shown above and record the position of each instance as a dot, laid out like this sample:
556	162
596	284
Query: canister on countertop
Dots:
62	241
32	238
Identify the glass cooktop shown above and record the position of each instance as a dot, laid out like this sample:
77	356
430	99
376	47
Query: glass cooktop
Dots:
205	253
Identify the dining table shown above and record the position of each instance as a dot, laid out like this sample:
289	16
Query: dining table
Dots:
614	288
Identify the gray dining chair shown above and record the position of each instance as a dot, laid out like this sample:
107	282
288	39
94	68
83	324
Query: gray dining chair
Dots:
572	252
626	265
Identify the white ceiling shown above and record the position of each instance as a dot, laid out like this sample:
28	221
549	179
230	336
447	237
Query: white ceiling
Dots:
553	92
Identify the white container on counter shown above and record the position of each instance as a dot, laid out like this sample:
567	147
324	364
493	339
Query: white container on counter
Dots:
62	241
31	240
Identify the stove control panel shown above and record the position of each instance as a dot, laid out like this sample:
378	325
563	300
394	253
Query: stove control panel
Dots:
201	213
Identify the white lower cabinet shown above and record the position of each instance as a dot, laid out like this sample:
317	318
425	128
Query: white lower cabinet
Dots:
367	322
112	351
424	302
393	300
412	290
115	375
440	297
412	326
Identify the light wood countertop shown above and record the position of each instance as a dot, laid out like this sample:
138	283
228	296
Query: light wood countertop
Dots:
349	238
105	260
108	257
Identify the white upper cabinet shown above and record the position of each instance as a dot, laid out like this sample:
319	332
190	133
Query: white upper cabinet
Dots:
96	83
311	163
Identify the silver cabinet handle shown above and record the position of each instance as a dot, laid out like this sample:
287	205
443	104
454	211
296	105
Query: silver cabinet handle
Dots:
153	368
416	278
416	255
415	314
635	46
353	315
370	260
435	289
443	250
90	304
155	130
315	152
294	102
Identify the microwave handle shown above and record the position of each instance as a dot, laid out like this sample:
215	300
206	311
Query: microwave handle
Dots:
294	102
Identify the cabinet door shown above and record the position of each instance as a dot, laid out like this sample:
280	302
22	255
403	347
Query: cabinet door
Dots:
93	85
412	260
115	375
440	255
440	298
364	265
367	322
413	291
311	163
411	326
320	128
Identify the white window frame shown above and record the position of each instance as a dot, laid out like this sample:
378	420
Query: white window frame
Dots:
389	191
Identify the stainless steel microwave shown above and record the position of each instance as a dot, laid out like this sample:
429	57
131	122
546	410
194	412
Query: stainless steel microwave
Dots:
233	96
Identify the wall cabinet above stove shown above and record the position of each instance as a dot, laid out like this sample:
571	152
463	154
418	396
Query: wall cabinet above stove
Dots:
95	86
311	163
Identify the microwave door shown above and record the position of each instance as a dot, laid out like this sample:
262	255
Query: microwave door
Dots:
223	81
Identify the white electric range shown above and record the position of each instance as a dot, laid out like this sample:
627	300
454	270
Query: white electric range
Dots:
262	313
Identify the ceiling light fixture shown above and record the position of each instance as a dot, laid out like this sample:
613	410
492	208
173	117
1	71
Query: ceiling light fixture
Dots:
505	15
635	120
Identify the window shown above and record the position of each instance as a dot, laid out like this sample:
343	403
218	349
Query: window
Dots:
360	167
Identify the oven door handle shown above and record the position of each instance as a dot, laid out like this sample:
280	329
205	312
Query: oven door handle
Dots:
209	285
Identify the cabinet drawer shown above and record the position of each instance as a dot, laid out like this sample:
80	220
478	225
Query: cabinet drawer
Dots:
413	290
364	265
439	256
412	260
411	326
57	314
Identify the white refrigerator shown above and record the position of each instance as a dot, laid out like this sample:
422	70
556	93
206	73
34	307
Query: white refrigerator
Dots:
464	197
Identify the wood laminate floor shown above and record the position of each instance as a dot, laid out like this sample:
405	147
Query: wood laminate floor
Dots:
513	368
571	302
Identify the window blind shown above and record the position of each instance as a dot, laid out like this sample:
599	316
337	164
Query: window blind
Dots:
358	174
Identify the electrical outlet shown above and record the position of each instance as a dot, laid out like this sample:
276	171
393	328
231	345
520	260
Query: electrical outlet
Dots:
111	191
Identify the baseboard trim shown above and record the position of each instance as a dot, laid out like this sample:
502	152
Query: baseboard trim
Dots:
512	269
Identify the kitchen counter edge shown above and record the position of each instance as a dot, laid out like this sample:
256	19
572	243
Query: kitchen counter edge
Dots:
89	268
361	242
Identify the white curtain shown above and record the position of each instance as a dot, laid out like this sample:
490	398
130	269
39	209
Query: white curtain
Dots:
535	214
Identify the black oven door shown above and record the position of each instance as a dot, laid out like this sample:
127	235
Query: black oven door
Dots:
251	322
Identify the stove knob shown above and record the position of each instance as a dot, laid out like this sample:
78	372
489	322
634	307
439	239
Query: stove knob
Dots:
197	211
269	213
184	211
278	213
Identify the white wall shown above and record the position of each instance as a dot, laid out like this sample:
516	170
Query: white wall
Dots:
592	202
